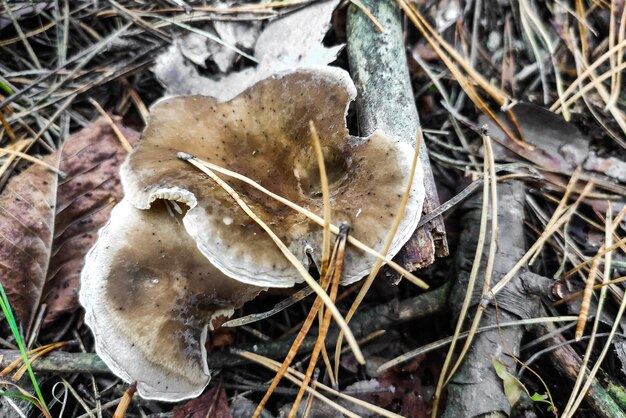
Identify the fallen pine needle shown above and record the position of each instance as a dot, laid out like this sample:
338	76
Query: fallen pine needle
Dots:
476	263
584	310
295	346
586	301
493	247
40	351
296	377
318	220
288	254
43	350
120	136
580	292
33	160
325	197
120	411
445	341
340	248
367	12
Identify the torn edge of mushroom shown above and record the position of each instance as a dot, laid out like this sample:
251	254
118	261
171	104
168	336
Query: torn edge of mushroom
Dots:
176	194
312	216
146	337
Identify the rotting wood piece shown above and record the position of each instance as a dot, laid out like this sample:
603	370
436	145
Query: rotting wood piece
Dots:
385	101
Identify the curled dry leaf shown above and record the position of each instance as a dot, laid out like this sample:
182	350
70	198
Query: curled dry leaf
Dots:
162	271
304	29
199	49
47	225
241	34
559	145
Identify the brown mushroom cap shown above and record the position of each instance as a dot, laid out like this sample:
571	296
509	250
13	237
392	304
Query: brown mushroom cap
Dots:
264	134
148	295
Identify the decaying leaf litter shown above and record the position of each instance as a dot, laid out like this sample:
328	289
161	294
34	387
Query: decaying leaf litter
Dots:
543	221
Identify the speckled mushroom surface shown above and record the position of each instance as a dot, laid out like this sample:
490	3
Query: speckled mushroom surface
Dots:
264	134
149	295
178	250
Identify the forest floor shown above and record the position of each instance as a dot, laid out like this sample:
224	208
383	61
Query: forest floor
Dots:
519	108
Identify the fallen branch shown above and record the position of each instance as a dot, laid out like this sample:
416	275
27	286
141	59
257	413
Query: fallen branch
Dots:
475	389
385	101
567	363
363	323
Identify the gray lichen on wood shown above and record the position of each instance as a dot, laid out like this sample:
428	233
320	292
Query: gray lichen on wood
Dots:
385	101
380	71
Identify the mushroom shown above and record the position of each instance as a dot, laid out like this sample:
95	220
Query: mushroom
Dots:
150	297
160	272
264	134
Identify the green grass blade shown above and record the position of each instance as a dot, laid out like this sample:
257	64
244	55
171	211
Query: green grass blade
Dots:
27	398
8	313
30	399
5	88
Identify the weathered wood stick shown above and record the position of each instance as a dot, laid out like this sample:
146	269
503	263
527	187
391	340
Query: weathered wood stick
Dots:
385	101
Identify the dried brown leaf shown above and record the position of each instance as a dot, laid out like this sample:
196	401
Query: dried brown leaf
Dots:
27	206
47	224
289	42
212	404
91	159
559	145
